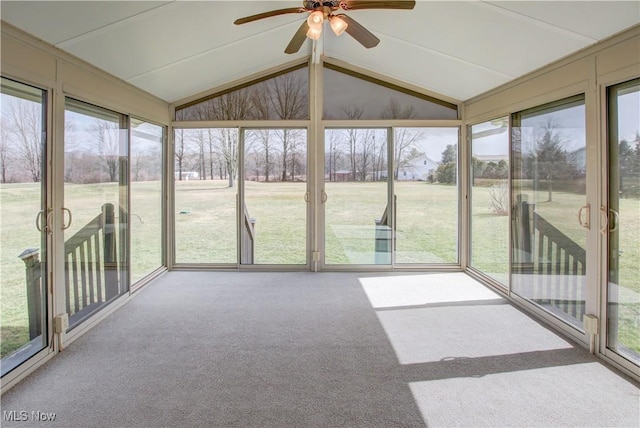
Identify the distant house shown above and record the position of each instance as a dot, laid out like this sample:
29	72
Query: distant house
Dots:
340	175
187	175
492	158
417	169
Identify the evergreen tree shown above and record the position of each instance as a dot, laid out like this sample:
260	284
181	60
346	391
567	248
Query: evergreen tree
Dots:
447	171
549	162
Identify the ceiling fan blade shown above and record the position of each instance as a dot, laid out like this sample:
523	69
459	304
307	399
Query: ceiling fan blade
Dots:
269	14
380	4
361	34
298	39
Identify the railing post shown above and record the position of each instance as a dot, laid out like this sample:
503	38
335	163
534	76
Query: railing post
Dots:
110	257
383	238
31	259
248	236
523	259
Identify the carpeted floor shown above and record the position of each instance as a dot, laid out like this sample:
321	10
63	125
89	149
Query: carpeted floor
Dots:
322	350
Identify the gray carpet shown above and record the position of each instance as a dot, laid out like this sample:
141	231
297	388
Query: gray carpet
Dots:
322	350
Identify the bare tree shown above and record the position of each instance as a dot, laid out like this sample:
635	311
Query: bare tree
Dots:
137	166
352	112
228	145
5	149
180	150
288	100
267	142
25	119
298	160
405	139
108	143
406	147
367	141
200	143
331	163
212	152
236	105
393	110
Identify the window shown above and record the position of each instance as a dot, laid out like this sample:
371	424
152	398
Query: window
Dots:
23	223
548	182
146	198
352	96
206	171
623	286
284	96
96	200
489	207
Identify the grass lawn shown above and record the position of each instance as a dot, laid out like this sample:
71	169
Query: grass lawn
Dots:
427	224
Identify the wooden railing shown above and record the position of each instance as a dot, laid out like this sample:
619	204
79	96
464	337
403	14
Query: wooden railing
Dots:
248	238
33	267
556	261
91	265
91	271
384	236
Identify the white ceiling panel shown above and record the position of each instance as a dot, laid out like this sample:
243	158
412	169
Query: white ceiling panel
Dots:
218	67
594	19
58	21
481	35
181	29
461	81
174	49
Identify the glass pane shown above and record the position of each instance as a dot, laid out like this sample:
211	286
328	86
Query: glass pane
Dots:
95	201
548	184
349	97
23	317
357	218
206	165
146	198
281	97
623	316
490	199
426	177
275	183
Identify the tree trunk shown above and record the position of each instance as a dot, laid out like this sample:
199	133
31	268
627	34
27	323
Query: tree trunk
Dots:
230	179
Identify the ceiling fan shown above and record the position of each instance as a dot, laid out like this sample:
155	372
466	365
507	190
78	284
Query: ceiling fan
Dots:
321	11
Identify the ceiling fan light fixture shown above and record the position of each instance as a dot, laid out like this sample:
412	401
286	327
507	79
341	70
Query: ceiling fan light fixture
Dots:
315	20
338	25
314	34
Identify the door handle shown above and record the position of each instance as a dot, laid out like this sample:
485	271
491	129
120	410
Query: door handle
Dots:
605	220
584	224
616	220
68	225
38	220
324	197
306	197
48	226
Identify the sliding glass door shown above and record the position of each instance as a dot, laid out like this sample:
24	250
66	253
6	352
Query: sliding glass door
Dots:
147	206
425	173
489	207
623	228
549	212
95	208
273	229
25	224
205	195
357	207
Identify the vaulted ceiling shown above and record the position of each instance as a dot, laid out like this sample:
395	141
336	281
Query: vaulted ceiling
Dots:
174	49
